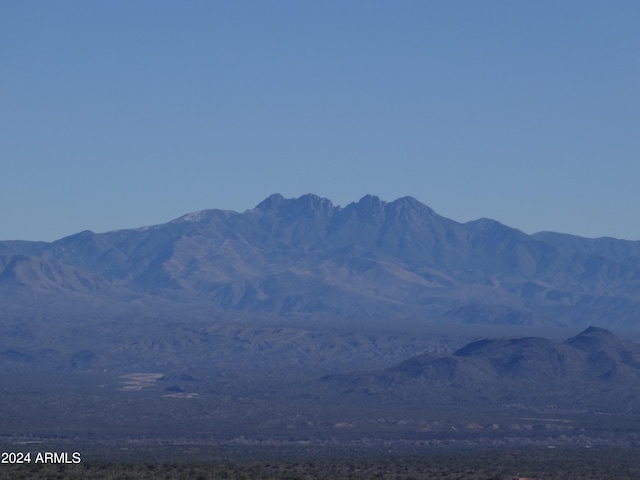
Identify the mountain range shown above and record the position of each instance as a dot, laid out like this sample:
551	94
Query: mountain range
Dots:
307	258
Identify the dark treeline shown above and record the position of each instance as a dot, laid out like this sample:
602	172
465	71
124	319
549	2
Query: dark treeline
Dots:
497	464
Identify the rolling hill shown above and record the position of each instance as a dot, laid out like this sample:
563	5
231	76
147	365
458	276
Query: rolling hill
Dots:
592	370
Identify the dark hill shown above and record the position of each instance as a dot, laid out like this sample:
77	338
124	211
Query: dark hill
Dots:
593	370
608	356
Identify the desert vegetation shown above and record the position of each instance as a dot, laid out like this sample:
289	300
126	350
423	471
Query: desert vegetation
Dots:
494	464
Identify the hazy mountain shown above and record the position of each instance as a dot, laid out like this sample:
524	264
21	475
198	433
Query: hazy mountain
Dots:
305	256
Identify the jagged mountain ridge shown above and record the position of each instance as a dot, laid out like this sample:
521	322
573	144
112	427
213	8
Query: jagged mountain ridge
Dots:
368	259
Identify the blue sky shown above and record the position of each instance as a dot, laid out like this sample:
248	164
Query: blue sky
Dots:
121	114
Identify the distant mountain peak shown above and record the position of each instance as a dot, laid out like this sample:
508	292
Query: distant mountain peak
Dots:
597	331
485	223
369	206
370	200
410	202
489	226
303	204
272	201
593	339
310	200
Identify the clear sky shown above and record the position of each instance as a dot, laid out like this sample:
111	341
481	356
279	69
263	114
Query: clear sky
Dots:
119	114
